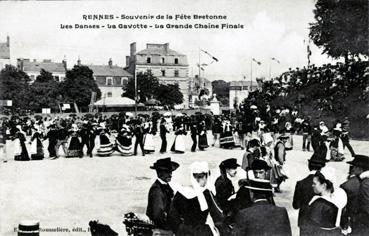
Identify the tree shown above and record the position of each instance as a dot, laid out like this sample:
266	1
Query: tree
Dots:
341	27
44	92
169	94
14	86
221	89
78	86
147	87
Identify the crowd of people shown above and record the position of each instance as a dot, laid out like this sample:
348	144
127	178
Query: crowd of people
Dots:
328	83
214	208
75	136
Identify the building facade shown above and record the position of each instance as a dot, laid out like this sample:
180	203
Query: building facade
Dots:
239	90
33	68
5	53
169	66
111	79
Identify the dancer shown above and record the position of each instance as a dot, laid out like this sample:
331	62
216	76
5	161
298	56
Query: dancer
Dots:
124	141
203	140
105	146
179	142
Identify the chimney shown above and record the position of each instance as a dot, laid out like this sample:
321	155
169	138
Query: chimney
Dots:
79	62
133	49
8	41
110	63
127	61
64	61
166	47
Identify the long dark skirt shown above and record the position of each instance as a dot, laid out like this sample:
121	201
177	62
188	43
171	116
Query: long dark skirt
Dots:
23	156
39	155
203	142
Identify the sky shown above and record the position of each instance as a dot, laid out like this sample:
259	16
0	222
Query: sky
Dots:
272	28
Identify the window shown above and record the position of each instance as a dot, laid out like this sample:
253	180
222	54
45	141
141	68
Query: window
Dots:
175	60
123	81
176	73
163	60
148	60
163	73
109	80
109	94
56	78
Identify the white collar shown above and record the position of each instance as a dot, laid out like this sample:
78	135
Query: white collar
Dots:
364	175
313	172
260	200
162	182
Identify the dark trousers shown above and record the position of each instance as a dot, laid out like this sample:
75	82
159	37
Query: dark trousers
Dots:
306	137
139	141
51	148
90	144
346	143
194	142
163	144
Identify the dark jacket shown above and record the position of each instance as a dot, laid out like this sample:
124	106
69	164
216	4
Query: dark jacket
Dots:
187	219
163	131
351	187
262	219
303	194
224	189
363	213
159	201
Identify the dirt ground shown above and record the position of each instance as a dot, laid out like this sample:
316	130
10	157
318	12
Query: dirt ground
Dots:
65	194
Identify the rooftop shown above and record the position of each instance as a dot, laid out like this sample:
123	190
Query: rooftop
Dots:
159	49
105	70
48	65
243	83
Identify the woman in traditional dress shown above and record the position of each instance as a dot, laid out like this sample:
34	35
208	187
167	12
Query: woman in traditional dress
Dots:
124	141
74	143
148	139
37	148
179	142
336	146
325	212
203	140
105	145
20	149
194	211
279	160
226	137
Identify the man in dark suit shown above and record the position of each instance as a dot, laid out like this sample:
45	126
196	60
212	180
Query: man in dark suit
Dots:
161	195
163	136
139	133
262	217
359	221
304	192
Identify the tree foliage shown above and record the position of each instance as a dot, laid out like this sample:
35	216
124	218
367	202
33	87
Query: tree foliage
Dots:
14	86
44	92
221	89
341	27
78	86
148	87
169	94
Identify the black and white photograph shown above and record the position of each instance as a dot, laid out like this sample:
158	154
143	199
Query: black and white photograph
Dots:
184	118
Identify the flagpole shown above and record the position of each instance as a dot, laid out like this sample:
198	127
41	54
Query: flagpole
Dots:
251	73
270	68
